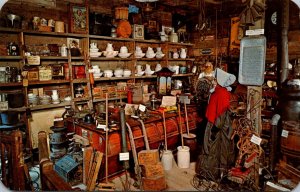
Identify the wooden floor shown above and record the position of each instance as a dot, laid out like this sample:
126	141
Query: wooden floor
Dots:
178	179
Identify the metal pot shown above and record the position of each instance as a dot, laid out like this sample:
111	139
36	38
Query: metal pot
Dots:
15	100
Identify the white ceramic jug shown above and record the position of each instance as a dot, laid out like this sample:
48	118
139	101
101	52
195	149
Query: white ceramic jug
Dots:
183	53
109	47
175	55
158	67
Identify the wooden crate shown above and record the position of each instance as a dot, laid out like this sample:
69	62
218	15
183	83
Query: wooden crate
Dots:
157	183
153	170
148	157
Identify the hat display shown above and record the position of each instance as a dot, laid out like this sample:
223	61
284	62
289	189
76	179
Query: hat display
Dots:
223	78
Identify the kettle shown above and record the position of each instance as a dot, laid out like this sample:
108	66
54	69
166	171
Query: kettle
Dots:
88	118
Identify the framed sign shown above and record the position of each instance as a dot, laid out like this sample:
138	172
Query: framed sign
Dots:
252	60
79	19
138	31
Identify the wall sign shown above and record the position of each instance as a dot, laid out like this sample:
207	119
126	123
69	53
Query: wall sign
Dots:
252	60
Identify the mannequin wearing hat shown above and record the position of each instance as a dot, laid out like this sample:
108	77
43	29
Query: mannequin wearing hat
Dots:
218	147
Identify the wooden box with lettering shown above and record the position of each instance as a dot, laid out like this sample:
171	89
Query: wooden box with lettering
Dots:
152	170
156	183
147	157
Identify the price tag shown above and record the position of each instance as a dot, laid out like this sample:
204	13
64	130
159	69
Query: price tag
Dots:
142	108
58	119
284	133
25	82
255	139
124	156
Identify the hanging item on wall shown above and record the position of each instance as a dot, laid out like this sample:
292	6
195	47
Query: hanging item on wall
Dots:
78	15
123	29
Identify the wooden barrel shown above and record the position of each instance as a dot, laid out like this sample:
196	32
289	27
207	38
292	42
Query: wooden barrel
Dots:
290	141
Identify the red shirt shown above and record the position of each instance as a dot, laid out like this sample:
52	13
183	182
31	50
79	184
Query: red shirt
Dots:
218	103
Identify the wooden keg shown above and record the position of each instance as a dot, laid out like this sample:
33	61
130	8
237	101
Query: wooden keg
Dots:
290	139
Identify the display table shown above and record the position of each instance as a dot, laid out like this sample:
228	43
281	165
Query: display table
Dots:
154	129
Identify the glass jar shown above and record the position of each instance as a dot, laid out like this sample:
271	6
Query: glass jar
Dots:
2	74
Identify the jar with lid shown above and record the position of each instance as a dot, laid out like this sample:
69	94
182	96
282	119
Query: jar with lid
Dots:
2	74
173	37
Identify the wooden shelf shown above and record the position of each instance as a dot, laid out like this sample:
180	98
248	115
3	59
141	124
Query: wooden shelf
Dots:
50	106
109	59
11	30
145	77
77	58
110	99
10	57
49	82
109	38
81	99
179	59
111	78
53	58
28	32
16	84
150	59
79	81
19	109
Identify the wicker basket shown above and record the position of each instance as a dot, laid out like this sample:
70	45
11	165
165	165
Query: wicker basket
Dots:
33	60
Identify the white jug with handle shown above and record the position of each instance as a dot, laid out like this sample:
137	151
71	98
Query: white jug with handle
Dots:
183	53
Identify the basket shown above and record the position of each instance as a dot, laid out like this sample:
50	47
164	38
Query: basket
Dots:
33	60
121	13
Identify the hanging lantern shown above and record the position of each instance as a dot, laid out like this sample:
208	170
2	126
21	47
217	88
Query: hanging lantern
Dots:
164	79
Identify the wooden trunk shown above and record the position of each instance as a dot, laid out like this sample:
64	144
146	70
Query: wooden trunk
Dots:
154	183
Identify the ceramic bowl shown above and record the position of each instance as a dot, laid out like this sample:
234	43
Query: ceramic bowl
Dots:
110	54
139	55
97	75
124	55
118	72
150	55
159	56
95	54
140	73
149	72
127	73
94	50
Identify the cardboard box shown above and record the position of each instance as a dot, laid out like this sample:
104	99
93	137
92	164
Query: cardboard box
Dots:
157	183
153	170
148	157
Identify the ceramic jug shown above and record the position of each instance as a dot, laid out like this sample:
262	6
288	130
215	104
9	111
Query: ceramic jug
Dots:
158	67
148	68
175	55
183	53
109	47
139	68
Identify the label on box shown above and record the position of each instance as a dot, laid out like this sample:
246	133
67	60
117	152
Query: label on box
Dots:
284	133
3	105
58	119
142	108
256	140
168	101
124	156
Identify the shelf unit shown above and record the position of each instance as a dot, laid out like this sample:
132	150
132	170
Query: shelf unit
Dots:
26	37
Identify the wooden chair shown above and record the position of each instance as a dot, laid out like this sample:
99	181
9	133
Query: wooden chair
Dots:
50	180
12	160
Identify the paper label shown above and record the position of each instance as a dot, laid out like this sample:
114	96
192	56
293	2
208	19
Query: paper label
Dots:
25	82
124	156
255	32
168	101
58	119
255	139
142	108
284	133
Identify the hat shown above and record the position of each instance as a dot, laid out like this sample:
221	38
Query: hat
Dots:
223	78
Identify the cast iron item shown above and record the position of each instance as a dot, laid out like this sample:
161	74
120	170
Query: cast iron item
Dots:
88	118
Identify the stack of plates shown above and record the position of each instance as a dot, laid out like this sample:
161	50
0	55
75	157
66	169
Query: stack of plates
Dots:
45	100
33	99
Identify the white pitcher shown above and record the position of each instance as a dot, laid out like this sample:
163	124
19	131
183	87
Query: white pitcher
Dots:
109	47
182	53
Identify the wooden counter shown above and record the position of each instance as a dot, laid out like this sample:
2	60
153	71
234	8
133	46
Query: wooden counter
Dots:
154	129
